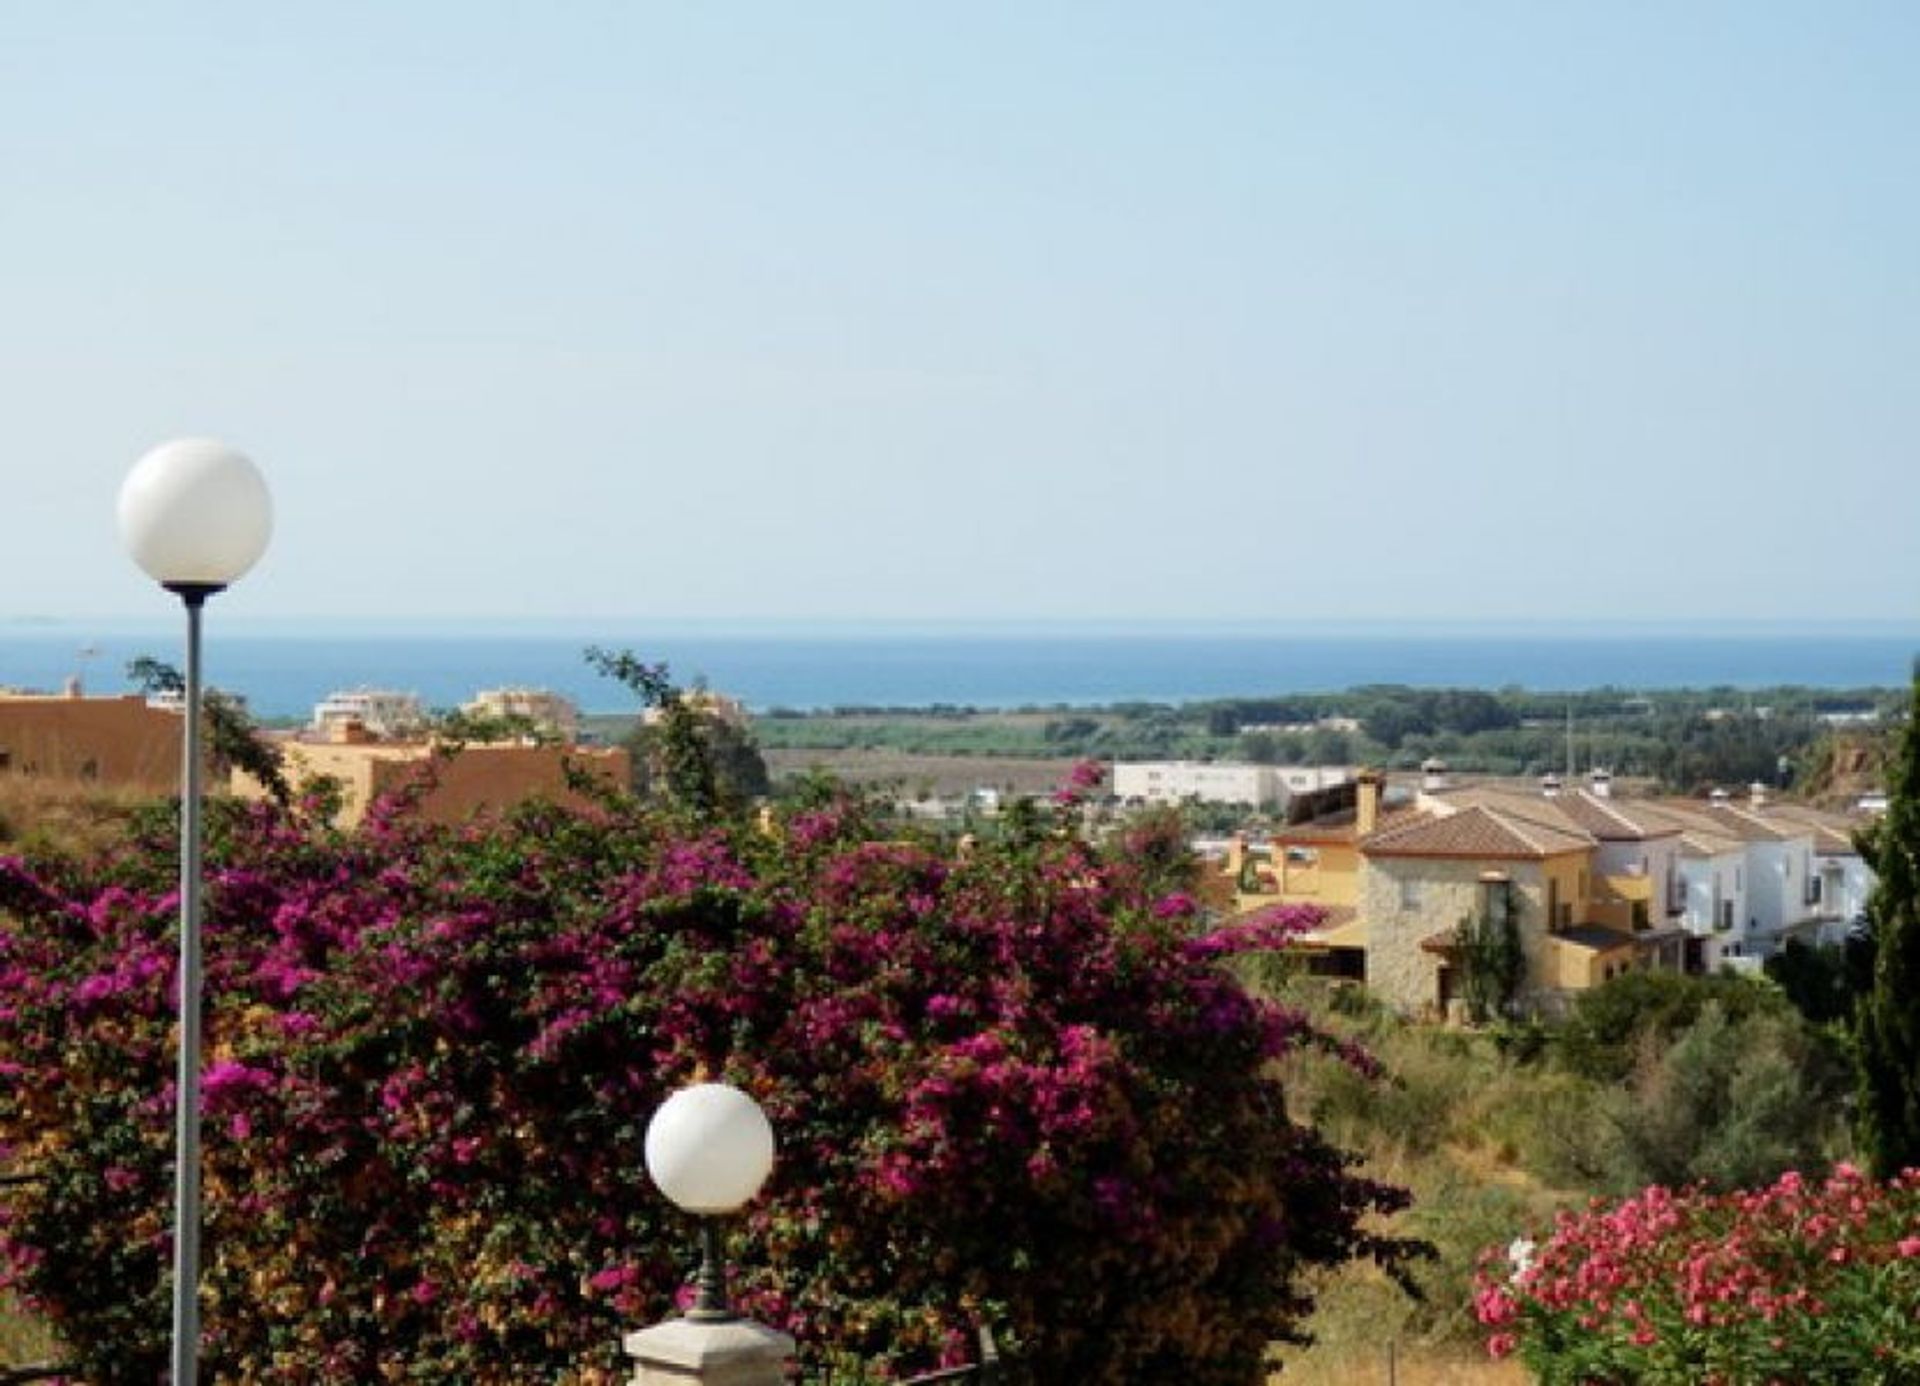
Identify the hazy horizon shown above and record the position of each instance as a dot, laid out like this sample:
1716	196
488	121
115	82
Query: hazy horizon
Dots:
1133	313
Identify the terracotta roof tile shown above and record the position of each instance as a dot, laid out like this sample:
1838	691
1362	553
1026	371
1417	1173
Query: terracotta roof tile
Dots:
1476	831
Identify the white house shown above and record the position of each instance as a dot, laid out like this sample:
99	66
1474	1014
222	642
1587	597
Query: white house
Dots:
1841	881
1711	868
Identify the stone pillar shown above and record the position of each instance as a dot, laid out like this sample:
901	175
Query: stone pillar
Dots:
734	1352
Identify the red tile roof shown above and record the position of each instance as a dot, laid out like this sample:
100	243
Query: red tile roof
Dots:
1476	831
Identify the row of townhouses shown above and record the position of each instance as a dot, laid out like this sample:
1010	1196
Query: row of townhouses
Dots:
1598	884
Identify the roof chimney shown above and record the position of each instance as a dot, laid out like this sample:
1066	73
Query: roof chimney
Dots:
1366	812
1434	773
1757	794
1718	798
1601	782
1550	785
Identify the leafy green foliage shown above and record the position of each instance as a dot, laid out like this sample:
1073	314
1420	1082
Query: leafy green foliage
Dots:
1490	958
1729	1104
233	737
1889	1029
686	755
1796	1281
1610	1025
1825	982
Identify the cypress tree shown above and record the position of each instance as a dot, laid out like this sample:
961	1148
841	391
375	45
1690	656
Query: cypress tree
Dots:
1889	1032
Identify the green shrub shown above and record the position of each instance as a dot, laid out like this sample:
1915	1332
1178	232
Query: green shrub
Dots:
1609	1025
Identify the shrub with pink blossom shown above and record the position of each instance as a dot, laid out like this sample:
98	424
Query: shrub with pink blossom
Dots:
1012	1085
1803	1281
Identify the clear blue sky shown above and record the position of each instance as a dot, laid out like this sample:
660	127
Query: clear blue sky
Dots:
1265	310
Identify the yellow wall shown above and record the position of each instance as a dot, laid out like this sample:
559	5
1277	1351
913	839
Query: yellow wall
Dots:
1448	889
1576	969
477	778
1613	903
1333	879
1569	876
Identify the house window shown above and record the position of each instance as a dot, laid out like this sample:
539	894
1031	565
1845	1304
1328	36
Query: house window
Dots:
1813	890
1553	902
1640	918
1409	894
1302	856
1726	914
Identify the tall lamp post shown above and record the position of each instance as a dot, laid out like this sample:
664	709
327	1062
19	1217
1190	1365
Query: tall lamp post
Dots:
195	515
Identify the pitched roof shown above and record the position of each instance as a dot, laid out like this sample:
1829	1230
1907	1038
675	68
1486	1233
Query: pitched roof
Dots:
1616	820
1338	826
1729	821
1521	805
1832	832
1475	831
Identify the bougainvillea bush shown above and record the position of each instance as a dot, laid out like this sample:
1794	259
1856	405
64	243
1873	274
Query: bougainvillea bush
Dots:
1012	1084
1803	1281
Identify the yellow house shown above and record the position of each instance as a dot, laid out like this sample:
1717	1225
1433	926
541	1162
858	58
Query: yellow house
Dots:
1450	862
1315	860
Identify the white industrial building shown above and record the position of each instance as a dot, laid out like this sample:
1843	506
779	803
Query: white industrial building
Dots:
1220	782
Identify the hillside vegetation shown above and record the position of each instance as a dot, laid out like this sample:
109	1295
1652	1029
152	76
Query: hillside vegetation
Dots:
1686	739
1652	1079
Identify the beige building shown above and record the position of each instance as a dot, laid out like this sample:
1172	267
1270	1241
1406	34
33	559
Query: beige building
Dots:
1426	877
475	779
546	710
381	712
121	742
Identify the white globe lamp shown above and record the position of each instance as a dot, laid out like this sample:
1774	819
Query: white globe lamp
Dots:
709	1148
195	513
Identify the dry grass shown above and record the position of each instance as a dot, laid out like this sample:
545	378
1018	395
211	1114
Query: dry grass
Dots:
22	1340
917	774
76	816
1394	1366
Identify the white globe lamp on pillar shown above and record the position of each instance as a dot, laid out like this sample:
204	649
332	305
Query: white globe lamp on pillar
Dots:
709	1149
195	515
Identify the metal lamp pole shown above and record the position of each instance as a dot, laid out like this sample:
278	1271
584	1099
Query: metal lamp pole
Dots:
186	1182
195	515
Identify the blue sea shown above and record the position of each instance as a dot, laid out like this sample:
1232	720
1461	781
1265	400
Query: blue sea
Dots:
283	671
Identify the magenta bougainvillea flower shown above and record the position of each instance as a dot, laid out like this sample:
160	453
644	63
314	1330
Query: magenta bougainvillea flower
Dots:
1014	1084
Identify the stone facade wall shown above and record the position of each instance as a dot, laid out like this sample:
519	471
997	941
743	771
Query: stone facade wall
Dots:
1399	970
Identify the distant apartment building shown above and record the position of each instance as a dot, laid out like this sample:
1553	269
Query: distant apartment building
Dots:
379	712
546	710
1221	782
707	703
1305	779
121	741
